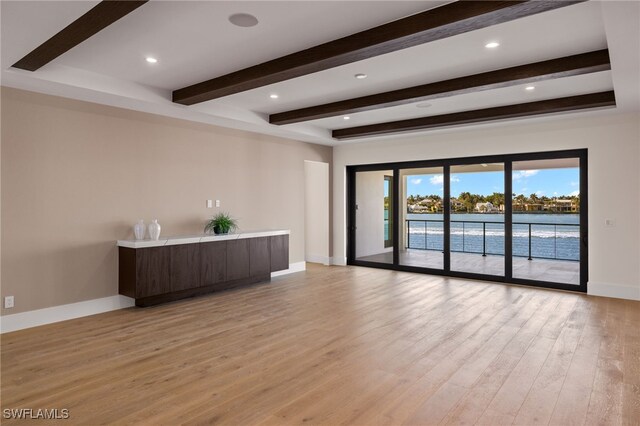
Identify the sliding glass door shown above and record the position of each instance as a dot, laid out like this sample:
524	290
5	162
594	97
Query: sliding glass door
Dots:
452	217
546	220
477	218
422	218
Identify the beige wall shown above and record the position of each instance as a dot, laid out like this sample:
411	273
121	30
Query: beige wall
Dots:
613	142
76	176
317	212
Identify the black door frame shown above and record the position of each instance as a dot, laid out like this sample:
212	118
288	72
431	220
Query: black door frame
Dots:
446	164
389	242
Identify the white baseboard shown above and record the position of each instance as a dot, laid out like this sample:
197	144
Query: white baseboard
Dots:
339	261
618	291
44	316
54	314
314	258
293	267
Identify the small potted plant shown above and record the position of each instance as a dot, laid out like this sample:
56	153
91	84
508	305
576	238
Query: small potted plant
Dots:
221	223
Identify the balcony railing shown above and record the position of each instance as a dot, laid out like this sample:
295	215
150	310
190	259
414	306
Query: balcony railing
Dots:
532	240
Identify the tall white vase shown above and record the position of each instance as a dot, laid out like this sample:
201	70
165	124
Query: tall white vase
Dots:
154	230
139	230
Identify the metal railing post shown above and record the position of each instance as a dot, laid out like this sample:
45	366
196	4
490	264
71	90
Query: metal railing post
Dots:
425	235
408	234
463	237
484	244
529	258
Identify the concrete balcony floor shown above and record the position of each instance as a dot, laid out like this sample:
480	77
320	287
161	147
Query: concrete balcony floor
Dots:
558	271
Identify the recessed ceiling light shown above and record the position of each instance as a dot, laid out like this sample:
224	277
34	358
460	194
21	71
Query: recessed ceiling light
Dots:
530	88
151	60
273	96
424	105
360	76
484	164
492	45
243	20
346	117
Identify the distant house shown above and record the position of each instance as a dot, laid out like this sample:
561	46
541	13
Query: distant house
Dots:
533	207
485	208
417	208
456	204
566	205
426	205
562	205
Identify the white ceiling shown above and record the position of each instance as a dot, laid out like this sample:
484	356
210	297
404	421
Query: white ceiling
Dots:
193	41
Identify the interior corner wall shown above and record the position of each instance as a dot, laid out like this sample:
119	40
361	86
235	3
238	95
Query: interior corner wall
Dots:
613	147
75	177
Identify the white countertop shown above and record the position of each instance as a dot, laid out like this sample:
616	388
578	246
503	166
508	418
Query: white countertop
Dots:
202	238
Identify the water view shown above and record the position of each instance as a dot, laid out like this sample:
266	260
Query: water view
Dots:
553	236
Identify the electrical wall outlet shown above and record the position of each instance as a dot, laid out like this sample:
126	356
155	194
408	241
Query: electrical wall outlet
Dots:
8	302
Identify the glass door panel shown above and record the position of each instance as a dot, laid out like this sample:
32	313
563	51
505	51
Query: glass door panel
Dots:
477	218
421	217
546	220
374	216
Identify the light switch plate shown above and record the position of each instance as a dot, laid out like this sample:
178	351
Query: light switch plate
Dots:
8	302
217	203
209	204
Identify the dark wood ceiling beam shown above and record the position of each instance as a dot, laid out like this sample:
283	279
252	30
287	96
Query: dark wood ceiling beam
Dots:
435	24
571	103
99	17
555	68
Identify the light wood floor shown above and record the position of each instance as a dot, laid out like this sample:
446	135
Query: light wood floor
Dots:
340	345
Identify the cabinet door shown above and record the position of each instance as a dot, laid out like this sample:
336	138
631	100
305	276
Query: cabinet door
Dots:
127	271
213	263
237	259
152	271
259	257
185	266
279	252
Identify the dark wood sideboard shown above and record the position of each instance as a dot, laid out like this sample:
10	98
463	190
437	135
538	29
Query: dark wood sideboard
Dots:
153	275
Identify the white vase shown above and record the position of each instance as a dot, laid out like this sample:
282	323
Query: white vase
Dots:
139	230
154	229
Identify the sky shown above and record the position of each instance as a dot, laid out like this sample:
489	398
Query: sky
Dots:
546	182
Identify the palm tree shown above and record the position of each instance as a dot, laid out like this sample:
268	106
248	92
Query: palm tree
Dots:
534	199
467	200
